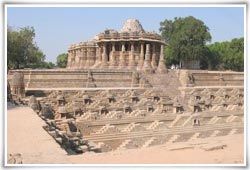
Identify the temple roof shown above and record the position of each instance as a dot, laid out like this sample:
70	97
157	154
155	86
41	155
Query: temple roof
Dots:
132	25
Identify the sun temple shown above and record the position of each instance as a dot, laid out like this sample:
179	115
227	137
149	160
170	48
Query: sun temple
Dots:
132	48
117	93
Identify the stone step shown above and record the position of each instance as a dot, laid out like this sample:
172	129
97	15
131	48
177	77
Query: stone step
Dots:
232	132
123	145
175	121
148	142
230	118
173	139
214	120
215	133
188	121
129	127
103	147
153	125
103	129
194	137
152	133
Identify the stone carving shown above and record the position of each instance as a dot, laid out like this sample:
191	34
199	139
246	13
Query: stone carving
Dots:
61	113
177	105
47	112
190	80
90	81
135	79
18	88
9	96
15	158
34	104
60	100
132	25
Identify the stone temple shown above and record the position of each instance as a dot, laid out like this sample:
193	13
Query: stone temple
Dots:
131	48
116	93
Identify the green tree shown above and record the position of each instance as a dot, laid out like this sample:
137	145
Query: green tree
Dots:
229	55
186	39
22	51
61	60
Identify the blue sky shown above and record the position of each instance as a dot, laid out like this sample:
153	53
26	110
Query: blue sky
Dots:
58	27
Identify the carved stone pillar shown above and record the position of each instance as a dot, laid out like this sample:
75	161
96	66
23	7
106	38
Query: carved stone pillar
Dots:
84	57
122	60
69	59
87	58
161	66
98	59
154	62
81	58
132	56
147	63
141	60
77	58
104	56
92	57
112	57
73	58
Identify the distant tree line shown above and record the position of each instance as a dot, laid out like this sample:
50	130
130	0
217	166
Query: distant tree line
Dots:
22	51
228	55
61	60
187	38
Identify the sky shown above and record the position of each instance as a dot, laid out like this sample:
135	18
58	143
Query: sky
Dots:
58	27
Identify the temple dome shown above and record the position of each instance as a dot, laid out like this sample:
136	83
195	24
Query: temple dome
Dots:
132	25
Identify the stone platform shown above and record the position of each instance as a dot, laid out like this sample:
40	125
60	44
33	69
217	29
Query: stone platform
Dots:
107	109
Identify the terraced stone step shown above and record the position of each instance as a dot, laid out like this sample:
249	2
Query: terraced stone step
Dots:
152	133
146	141
152	118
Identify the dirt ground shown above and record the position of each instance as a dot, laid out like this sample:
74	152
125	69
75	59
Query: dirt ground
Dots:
26	136
180	153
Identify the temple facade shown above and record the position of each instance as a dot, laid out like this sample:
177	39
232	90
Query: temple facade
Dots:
131	48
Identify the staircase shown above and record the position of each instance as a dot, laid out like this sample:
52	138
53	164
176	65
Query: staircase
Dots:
232	132
128	144
173	139
215	133
153	125
169	82
194	137
175	121
103	129
214	120
148	142
129	127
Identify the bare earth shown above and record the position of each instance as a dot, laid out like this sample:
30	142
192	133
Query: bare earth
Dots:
26	136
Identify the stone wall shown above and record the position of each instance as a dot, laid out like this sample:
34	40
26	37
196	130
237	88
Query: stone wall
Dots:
63	78
212	78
